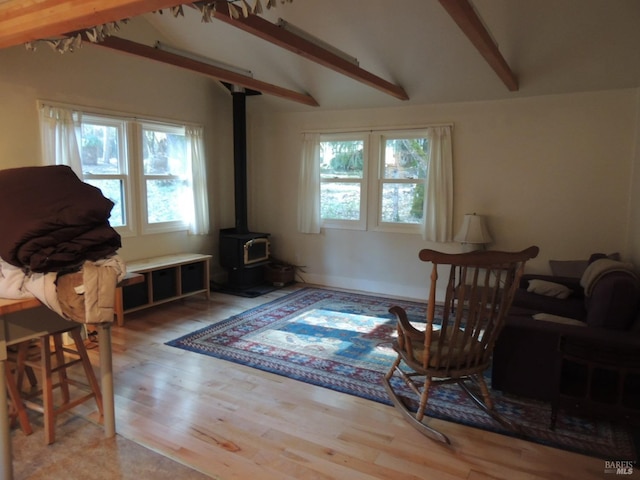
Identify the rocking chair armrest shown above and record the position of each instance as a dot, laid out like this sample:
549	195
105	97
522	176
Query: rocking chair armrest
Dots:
407	329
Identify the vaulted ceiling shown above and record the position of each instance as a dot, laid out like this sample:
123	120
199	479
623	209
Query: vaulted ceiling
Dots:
408	52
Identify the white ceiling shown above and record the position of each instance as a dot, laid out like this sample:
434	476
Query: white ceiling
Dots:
553	46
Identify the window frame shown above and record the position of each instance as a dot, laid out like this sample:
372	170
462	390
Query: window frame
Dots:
145	225
381	136
361	223
122	126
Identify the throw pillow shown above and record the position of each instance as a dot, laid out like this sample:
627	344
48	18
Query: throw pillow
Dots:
549	289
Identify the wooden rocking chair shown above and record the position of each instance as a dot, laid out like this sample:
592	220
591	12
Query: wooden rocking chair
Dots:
457	347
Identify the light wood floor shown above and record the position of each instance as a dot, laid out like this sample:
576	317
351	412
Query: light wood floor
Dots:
234	422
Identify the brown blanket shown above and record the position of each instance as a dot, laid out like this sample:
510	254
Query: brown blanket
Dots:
50	220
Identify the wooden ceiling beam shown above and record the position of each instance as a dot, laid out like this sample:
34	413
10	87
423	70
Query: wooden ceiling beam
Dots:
469	22
294	43
24	21
221	74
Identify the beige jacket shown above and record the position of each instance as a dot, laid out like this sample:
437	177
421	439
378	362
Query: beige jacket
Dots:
88	296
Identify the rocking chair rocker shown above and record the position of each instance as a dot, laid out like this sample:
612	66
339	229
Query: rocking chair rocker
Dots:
456	348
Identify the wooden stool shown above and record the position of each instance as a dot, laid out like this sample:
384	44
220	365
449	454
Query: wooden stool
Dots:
42	360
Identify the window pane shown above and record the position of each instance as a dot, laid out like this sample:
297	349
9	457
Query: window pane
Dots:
340	201
168	200
112	189
405	158
402	202
164	153
100	149
341	159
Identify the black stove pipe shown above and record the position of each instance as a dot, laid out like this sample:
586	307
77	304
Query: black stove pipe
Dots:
240	158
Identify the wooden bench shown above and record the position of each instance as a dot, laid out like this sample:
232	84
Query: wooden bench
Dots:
166	278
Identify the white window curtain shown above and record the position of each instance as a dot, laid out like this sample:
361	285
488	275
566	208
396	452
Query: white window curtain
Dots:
438	208
199	221
60	130
309	185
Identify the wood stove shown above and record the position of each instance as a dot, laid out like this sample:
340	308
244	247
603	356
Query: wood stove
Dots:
243	249
242	253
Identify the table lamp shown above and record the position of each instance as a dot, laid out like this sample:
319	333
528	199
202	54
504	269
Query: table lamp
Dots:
473	234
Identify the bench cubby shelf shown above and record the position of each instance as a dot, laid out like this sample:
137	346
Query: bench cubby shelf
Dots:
166	278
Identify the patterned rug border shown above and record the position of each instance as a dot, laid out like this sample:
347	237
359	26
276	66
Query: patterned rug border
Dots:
314	376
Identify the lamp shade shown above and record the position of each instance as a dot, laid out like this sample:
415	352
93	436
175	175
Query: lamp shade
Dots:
473	230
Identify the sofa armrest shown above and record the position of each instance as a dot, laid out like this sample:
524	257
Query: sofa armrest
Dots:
614	302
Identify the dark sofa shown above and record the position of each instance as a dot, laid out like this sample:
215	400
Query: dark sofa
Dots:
539	352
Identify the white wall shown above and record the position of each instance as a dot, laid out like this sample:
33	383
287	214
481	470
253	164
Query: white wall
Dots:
99	78
552	171
634	197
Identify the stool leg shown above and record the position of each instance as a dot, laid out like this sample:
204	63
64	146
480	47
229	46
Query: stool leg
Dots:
16	401
33	381
62	370
88	369
6	465
47	390
22	368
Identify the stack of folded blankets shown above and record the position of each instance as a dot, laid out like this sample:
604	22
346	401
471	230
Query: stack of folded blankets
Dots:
55	232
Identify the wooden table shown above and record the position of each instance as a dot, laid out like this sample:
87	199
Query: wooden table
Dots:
21	320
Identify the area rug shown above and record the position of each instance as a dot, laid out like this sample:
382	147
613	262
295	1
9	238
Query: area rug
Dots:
340	340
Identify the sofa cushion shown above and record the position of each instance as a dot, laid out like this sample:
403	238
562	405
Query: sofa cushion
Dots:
547	317
568	268
572	307
575	268
550	289
597	256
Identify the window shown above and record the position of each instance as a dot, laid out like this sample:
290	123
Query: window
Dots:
403	170
396	180
342	181
103	160
146	168
166	177
401	162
